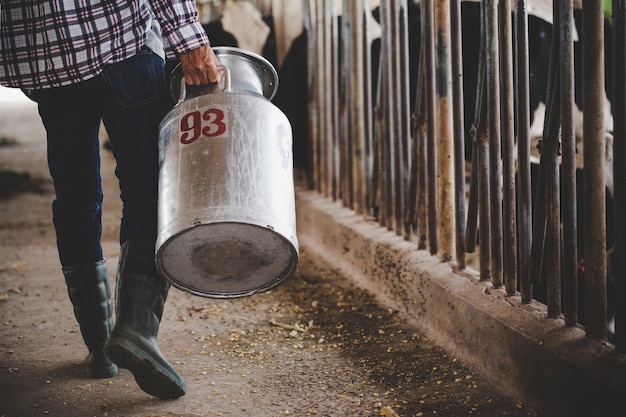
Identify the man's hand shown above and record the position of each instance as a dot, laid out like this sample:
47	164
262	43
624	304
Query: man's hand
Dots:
200	66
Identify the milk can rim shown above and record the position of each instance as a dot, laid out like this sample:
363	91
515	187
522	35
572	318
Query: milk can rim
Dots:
270	80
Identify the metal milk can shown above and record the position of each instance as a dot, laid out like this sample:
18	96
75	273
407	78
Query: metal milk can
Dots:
227	224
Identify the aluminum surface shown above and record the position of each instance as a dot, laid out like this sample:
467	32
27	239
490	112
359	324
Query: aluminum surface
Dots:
227	225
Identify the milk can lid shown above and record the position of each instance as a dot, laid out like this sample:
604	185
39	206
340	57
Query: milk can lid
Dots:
267	72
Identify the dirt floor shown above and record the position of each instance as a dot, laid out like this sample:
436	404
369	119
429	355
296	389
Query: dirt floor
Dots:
316	345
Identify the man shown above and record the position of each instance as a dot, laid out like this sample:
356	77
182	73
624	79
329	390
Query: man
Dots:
83	63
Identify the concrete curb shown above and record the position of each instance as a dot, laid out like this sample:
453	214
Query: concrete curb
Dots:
536	360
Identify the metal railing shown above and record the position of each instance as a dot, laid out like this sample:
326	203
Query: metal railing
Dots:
401	161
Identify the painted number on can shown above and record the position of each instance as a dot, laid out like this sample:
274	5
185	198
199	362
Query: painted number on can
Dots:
209	123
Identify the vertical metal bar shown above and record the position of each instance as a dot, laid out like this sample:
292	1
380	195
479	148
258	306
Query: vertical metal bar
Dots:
553	190
568	165
594	188
482	152
422	162
394	78
307	33
380	133
619	169
391	127
477	133
539	227
483	185
553	236
326	156
445	140
524	190
495	152
385	134
319	92
404	118
345	159
471	230
353	14
321	97
313	91
546	237
509	226
431	120
366	64
459	133
417	122
333	86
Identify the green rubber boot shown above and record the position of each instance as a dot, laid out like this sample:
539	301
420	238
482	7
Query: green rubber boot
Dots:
140	297
89	291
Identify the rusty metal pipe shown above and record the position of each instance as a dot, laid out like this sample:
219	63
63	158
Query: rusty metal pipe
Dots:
484	212
478	124
524	198
553	190
549	153
387	133
495	148
509	226
379	174
334	152
320	178
368	147
431	136
399	109
313	92
619	170
594	188
482	154
548	213
471	230
404	113
327	100
345	135
417	135
445	139
353	12
422	162
395	143
568	164
459	133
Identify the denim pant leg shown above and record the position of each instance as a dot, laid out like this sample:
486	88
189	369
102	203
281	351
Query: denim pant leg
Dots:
138	102
72	123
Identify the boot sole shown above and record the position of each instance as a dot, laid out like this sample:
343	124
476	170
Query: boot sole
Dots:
149	375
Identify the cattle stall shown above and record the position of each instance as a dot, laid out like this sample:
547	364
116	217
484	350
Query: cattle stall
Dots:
420	115
486	135
387	138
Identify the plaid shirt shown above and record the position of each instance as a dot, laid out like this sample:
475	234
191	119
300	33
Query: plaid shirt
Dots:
51	43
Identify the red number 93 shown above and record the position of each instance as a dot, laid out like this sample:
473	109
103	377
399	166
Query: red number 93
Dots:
192	126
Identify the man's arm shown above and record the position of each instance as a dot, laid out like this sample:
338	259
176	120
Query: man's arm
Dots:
184	36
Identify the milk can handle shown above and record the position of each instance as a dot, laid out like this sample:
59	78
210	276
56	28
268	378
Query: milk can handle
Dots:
224	82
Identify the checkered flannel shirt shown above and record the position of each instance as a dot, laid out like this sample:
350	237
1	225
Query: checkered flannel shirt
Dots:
51	43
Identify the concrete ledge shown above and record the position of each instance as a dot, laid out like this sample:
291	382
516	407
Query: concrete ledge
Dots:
536	360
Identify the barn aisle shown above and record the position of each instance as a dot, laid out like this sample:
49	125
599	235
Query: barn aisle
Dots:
317	345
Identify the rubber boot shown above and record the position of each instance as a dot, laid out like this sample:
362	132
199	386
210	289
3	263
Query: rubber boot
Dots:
140	297
89	291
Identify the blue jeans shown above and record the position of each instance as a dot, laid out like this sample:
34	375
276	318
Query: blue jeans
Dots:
131	99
